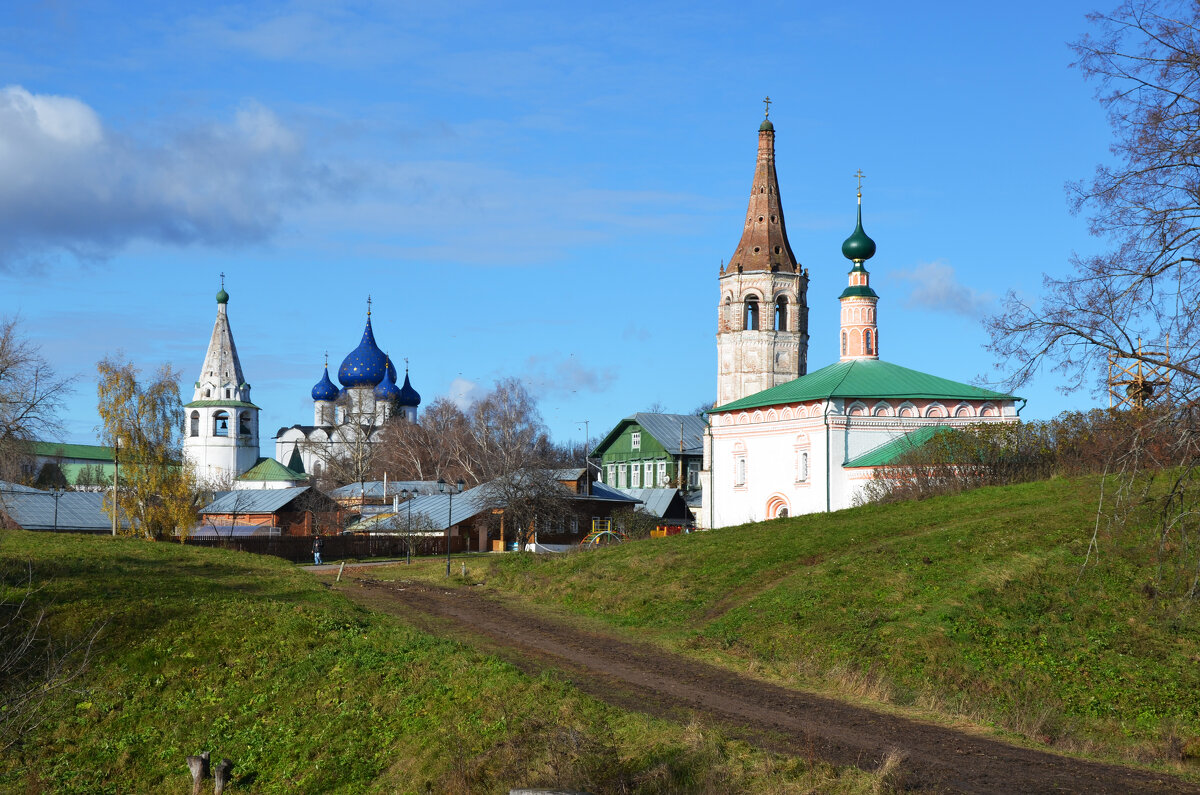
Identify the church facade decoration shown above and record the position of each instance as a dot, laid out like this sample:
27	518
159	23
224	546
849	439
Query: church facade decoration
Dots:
811	444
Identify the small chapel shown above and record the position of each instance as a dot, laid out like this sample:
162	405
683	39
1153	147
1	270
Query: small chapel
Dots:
783	441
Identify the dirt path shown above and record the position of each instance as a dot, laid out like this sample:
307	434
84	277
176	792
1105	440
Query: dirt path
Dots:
648	679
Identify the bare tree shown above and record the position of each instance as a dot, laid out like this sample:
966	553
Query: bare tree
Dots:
439	444
349	453
31	396
528	500
1145	57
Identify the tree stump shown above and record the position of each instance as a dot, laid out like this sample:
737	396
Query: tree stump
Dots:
221	777
199	767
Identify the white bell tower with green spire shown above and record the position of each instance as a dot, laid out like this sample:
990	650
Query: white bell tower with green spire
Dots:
221	423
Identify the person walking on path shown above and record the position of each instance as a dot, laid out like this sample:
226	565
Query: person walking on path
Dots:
318	546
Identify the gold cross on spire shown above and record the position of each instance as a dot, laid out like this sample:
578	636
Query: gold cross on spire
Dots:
859	175
368	305
767	112
327	359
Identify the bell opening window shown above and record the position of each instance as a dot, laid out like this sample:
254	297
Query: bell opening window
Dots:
781	304
221	423
751	314
244	424
195	424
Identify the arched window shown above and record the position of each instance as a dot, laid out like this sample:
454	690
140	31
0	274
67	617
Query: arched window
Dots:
751	314
195	429
781	313
728	312
843	343
221	423
867	342
244	424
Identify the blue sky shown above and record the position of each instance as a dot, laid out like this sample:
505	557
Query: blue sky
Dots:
528	189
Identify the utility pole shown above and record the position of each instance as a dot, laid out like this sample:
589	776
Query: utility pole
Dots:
116	477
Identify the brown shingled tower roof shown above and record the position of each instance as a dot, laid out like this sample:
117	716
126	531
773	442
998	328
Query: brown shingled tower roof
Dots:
764	245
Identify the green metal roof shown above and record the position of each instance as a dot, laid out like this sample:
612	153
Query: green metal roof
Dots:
270	469
889	451
858	289
90	452
863	378
224	404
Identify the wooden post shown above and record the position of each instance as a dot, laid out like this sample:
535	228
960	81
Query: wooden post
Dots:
199	768
340	570
221	777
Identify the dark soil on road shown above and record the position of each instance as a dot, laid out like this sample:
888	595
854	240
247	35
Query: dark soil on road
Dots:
647	679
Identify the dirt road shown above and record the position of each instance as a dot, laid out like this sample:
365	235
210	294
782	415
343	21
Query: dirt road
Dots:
647	679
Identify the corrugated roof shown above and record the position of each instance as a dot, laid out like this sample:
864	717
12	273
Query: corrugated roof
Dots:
889	451
6	487
665	428
254	500
655	502
601	491
863	378
77	510
91	452
374	488
439	509
268	469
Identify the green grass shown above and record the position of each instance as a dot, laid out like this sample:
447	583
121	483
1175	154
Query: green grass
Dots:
255	660
970	607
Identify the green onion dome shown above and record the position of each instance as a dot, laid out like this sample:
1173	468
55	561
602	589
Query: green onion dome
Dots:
858	246
222	296
766	126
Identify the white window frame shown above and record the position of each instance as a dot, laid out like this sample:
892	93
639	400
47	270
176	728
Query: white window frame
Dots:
693	474
635	440
635	475
612	474
662	473
739	469
622	476
648	474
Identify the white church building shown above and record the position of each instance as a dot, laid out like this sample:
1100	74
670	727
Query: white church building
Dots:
221	425
782	444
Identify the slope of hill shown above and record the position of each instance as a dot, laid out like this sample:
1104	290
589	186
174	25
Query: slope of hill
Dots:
973	607
254	660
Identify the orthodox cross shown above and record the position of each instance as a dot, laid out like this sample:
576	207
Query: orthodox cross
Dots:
860	176
406	365
767	113
326	360
222	280
368	305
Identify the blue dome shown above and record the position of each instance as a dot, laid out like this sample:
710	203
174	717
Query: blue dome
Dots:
325	390
387	389
366	365
391	371
408	395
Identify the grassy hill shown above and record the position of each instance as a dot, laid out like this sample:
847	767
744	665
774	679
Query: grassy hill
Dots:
973	608
256	660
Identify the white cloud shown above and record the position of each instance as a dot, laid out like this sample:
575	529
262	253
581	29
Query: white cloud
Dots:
935	286
464	393
69	185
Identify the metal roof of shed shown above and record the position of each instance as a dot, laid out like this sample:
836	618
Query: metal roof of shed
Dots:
253	500
655	502
77	510
889	451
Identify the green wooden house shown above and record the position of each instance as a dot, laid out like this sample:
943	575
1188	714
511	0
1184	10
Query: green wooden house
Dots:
647	450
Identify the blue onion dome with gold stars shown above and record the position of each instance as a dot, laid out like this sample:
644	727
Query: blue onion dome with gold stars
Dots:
366	365
408	395
387	389
858	247
391	371
325	389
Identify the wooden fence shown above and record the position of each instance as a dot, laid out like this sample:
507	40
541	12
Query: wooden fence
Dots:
298	549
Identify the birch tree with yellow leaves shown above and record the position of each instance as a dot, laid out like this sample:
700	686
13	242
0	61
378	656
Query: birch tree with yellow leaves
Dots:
143	423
